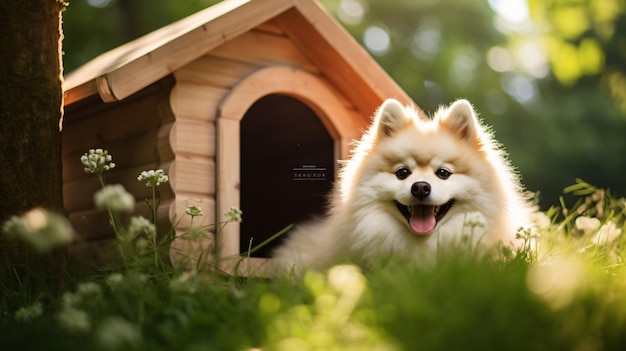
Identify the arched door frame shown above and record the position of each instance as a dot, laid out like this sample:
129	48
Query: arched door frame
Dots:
341	121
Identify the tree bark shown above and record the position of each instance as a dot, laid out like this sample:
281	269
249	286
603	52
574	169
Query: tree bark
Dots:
30	112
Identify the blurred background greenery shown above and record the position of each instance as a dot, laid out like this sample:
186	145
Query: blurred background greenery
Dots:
549	75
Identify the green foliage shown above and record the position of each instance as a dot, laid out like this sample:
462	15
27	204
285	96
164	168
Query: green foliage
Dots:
436	50
564	290
580	36
473	305
576	127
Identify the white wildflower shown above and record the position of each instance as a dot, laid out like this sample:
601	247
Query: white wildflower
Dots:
116	333
42	229
527	234
153	178
13	225
143	246
606	234
74	320
185	283
114	280
115	198
85	292
234	215
89	291
97	161
587	225
70	300
194	211
141	226
28	313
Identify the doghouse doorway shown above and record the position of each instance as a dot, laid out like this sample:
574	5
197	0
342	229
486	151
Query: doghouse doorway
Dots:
287	168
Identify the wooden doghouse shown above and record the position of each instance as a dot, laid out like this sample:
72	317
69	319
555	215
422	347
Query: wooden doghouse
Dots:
246	104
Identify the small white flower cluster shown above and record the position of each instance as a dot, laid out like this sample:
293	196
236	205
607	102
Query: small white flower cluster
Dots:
185	283
42	229
114	280
115	198
28	313
234	215
116	333
71	316
153	178
74	320
140	226
607	234
527	234
89	290
194	211
587	225
97	161
602	234
117	280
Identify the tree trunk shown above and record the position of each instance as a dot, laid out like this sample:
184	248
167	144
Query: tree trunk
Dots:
30	113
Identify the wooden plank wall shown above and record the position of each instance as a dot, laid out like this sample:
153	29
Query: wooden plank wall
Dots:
129	130
171	125
195	99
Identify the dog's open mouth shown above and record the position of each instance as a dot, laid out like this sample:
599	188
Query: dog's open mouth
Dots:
423	218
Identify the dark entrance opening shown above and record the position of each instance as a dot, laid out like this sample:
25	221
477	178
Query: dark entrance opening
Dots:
287	168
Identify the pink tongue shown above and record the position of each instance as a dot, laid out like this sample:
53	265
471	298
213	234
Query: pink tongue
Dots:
423	219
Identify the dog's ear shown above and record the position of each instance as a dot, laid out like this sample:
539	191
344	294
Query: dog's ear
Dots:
390	117
460	119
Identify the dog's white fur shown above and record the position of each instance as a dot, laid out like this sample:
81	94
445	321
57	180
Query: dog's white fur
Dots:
363	223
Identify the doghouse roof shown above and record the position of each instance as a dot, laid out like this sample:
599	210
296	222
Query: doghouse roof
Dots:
129	68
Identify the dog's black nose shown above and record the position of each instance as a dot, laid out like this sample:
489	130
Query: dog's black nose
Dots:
420	190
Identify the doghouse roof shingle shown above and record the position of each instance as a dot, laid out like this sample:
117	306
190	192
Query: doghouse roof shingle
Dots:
131	67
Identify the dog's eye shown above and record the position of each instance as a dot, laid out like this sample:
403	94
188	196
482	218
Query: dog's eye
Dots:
443	173
402	173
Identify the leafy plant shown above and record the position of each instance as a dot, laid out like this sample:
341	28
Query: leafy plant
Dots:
565	289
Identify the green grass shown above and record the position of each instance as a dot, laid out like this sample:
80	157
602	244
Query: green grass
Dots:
566	293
